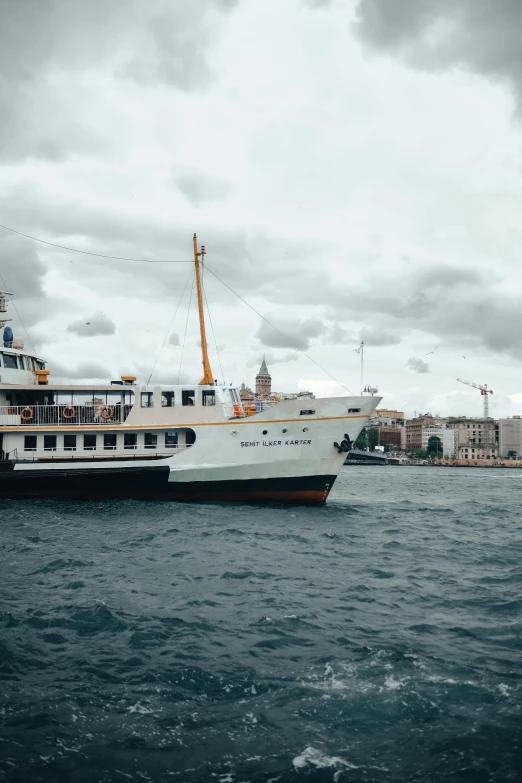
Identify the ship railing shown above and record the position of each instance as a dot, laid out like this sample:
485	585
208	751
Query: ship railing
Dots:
66	415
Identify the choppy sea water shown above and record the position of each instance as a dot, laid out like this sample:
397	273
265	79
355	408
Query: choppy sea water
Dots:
375	639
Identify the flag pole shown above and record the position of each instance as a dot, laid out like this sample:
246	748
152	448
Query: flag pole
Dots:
362	365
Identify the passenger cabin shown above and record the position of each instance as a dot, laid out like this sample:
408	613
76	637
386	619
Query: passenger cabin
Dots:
117	420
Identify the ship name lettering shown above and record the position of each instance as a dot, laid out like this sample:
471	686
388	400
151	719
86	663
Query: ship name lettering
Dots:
268	443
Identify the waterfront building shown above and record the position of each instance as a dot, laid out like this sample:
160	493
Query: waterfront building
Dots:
476	438
414	428
510	436
450	443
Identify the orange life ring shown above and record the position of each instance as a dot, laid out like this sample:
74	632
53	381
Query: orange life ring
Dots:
68	412
27	413
107	412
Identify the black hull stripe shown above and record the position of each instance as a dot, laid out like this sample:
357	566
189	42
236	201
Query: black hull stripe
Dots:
152	483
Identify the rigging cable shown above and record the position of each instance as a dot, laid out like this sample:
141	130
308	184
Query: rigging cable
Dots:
19	317
172	261
279	330
170	327
186	324
98	255
213	334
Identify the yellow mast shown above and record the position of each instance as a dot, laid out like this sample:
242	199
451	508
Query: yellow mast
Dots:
207	372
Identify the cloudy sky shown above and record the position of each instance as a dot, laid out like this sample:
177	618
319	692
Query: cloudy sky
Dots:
353	168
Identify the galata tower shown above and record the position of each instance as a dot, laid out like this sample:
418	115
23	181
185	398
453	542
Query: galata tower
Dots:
263	382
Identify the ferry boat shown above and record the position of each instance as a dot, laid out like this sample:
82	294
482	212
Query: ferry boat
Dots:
182	442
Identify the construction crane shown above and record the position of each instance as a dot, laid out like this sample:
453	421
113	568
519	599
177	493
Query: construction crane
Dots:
483	390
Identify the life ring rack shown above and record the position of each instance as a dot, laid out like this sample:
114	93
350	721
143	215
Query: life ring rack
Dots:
107	412
27	413
68	412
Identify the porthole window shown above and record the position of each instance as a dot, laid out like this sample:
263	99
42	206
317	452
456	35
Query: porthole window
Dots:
305	429
285	429
265	432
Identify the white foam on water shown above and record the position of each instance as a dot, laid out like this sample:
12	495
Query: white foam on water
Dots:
253	690
140	709
290	616
391	684
503	688
313	757
333	683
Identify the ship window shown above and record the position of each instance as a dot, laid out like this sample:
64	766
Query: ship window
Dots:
190	437
171	439
167	399
49	442
307	412
30	443
109	442
89	442
10	362
69	442
151	440
130	440
147	400
208	397
188	396
354	410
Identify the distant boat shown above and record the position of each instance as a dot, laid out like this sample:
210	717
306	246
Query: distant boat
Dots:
181	442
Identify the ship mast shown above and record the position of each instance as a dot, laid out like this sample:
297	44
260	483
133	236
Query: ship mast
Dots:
207	372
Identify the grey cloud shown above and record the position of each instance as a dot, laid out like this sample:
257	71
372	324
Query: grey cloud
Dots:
482	35
273	358
448	276
92	326
454	305
292	334
23	274
374	336
379	337
174	339
89	371
154	42
317	3
418	366
339	336
198	188
21	268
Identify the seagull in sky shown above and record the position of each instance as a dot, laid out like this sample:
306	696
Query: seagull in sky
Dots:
430	352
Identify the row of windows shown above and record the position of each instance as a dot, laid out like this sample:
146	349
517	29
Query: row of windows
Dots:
14	362
110	441
188	397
